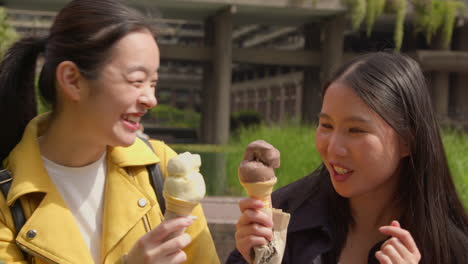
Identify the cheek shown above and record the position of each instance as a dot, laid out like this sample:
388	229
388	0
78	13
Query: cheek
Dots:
378	157
321	143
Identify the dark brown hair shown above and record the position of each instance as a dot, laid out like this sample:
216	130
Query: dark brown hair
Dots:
394	86
83	32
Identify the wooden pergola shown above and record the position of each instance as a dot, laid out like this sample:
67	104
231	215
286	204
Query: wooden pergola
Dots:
324	25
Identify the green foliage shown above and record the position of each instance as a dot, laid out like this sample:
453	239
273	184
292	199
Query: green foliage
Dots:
245	118
399	7
7	34
358	11
430	16
294	141
42	106
449	22
166	115
456	148
299	156
374	9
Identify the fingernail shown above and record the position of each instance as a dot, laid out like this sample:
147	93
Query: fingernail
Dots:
188	221
193	217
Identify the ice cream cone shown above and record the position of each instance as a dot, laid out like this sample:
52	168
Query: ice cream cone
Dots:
184	187
260	190
178	206
256	174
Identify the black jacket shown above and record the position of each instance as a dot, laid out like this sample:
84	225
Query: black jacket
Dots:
309	231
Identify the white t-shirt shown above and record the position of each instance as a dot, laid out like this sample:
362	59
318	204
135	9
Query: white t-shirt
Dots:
83	191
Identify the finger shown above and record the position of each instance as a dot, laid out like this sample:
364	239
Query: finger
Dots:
254	230
173	245
177	257
249	203
382	258
246	244
395	223
392	253
403	235
400	248
167	227
255	216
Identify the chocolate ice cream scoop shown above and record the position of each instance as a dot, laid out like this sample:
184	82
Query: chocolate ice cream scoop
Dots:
260	158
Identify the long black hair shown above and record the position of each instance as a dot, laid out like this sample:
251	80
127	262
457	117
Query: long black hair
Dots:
83	32
394	86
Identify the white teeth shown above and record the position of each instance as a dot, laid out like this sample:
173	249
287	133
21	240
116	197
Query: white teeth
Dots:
134	119
131	118
340	170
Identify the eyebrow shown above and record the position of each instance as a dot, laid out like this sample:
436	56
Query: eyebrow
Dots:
138	68
349	119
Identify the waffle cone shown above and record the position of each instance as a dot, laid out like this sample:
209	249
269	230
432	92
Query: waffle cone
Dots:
260	190
178	206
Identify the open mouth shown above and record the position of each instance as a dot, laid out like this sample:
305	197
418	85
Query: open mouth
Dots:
340	170
132	122
340	173
132	119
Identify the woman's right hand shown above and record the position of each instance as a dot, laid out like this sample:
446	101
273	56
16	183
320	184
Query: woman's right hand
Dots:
254	227
153	247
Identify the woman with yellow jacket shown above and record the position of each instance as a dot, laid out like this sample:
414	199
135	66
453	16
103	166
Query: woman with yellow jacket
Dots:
79	172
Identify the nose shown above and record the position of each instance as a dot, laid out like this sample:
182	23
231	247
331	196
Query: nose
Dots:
337	145
148	97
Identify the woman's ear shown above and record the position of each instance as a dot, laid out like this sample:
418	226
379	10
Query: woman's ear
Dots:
68	78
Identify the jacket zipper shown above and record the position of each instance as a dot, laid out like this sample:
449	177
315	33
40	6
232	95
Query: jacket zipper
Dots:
145	217
146	223
34	254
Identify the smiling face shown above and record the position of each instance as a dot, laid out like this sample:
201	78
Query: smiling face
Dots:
123	91
360	150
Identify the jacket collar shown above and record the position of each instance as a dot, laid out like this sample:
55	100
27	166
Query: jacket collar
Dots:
25	163
309	226
28	170
312	213
51	221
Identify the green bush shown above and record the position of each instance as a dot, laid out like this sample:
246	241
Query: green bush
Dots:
8	34
245	118
299	156
165	115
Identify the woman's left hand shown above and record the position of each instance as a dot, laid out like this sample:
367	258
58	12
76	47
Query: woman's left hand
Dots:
399	249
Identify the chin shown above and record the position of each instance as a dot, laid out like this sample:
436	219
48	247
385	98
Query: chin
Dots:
343	192
128	141
124	140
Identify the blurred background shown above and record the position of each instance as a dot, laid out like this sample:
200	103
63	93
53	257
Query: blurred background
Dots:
233	71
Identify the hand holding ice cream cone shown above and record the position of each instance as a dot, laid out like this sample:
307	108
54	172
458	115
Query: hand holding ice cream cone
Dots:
256	174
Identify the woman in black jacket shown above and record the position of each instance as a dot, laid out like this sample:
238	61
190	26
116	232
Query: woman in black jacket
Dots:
384	193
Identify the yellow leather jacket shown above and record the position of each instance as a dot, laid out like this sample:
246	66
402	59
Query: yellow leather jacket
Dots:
58	238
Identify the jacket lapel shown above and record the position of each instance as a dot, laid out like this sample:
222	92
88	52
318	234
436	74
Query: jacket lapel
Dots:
51	231
122	210
57	235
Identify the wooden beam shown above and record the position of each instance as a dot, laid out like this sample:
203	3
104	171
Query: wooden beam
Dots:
263	38
242	55
276	57
181	52
443	61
